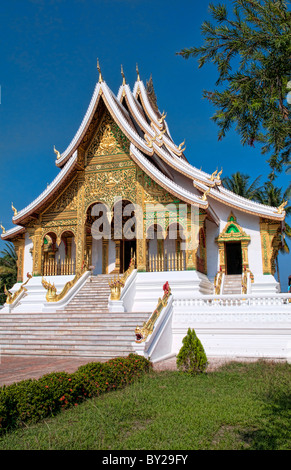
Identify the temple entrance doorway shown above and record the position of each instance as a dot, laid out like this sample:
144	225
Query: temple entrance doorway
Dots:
233	253
128	250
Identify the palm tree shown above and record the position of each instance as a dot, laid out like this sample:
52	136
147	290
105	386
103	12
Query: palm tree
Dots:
239	184
8	270
272	196
288	172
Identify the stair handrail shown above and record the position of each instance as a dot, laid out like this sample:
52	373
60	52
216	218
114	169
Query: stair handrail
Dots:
142	333
116	284
52	295
12	298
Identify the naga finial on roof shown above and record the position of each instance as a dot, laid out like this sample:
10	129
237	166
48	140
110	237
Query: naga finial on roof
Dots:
213	175
57	153
181	145
281	208
13	208
99	70
219	174
163	117
204	197
3	229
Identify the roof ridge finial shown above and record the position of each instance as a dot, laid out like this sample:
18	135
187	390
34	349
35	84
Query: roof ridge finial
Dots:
137	71
3	229
13	208
123	76
57	153
99	70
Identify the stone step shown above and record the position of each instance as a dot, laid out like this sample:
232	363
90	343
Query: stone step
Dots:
85	327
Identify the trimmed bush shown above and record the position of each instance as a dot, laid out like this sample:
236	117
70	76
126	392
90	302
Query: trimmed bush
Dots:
191	357
31	400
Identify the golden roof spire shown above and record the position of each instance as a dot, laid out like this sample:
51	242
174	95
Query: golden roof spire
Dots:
123	76
13	208
99	70
3	229
137	71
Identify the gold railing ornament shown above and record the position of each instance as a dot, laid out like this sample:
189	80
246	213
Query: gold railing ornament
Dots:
217	282
10	298
52	295
142	333
244	283
117	283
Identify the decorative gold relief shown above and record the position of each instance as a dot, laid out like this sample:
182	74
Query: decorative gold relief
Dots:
108	140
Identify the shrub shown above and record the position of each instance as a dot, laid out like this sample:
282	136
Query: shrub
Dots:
31	400
191	357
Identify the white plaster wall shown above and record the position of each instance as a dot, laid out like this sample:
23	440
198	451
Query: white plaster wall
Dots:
212	231
27	265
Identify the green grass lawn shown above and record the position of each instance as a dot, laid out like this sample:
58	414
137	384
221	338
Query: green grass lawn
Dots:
240	406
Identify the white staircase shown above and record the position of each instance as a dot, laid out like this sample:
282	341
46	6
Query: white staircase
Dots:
232	284
84	328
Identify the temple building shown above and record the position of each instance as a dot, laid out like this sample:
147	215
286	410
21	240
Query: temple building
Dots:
124	160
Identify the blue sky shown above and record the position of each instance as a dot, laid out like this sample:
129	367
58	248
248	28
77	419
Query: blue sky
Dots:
48	51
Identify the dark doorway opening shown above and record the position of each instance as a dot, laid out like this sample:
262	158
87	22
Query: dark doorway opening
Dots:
233	258
129	249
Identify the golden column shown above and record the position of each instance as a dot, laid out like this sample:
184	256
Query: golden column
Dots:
81	228
35	234
193	240
19	244
270	240
141	242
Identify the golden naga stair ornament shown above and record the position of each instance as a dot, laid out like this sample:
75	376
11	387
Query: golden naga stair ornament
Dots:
142	333
52	295
117	283
10	298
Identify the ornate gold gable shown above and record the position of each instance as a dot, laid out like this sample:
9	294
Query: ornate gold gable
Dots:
233	232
